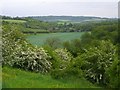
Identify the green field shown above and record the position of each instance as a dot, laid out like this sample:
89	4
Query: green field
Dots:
34	30
14	21
39	39
16	78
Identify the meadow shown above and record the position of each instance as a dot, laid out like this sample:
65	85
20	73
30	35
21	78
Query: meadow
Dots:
16	78
39	39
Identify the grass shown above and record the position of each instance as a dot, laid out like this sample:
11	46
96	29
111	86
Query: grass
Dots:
39	39
16	78
14	21
0	74
34	30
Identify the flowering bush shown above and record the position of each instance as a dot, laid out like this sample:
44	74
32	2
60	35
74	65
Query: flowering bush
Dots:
18	53
97	60
63	54
113	74
34	59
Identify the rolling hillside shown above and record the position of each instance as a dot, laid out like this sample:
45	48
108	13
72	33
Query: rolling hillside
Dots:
67	18
16	78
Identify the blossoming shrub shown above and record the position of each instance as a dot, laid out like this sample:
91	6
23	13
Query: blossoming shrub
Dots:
97	60
113	74
66	65
63	54
18	53
34	59
10	38
60	59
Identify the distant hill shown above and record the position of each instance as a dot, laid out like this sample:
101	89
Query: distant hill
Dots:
67	18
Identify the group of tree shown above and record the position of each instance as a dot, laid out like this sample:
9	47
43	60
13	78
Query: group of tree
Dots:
36	26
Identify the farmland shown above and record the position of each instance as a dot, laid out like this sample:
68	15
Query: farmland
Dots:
39	39
14	21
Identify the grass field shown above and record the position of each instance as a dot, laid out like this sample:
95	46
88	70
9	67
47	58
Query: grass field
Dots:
14	21
34	30
15	78
39	39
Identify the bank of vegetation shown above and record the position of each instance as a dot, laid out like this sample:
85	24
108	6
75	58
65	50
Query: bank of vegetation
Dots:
93	57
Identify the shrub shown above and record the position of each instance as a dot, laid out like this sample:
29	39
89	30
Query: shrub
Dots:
73	46
53	42
113	74
18	53
72	69
34	59
61	58
66	65
86	39
10	38
97	60
63	54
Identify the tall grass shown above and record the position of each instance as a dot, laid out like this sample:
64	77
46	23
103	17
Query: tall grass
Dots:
16	78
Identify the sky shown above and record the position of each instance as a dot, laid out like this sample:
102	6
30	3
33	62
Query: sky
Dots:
99	8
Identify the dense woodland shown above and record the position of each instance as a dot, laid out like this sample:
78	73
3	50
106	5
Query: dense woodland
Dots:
94	56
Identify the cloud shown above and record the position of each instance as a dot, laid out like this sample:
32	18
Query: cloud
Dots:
41	8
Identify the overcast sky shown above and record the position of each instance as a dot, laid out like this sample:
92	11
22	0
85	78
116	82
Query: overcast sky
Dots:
101	8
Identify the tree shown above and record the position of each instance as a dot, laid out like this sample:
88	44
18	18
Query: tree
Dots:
53	42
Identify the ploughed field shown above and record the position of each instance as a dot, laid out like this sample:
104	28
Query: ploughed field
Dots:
39	39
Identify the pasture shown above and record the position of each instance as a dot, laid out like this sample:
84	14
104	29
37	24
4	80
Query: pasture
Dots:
39	39
16	78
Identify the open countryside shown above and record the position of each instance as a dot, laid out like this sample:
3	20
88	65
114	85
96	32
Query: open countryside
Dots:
60	54
39	39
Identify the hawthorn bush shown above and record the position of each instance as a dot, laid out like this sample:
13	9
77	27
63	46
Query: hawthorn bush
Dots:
113	74
61	60
96	60
63	54
18	53
63	64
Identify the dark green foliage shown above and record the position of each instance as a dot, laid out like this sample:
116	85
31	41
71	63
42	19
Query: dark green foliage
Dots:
113	73
97	60
75	68
63	64
106	32
54	57
86	40
64	67
53	42
73	46
70	71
